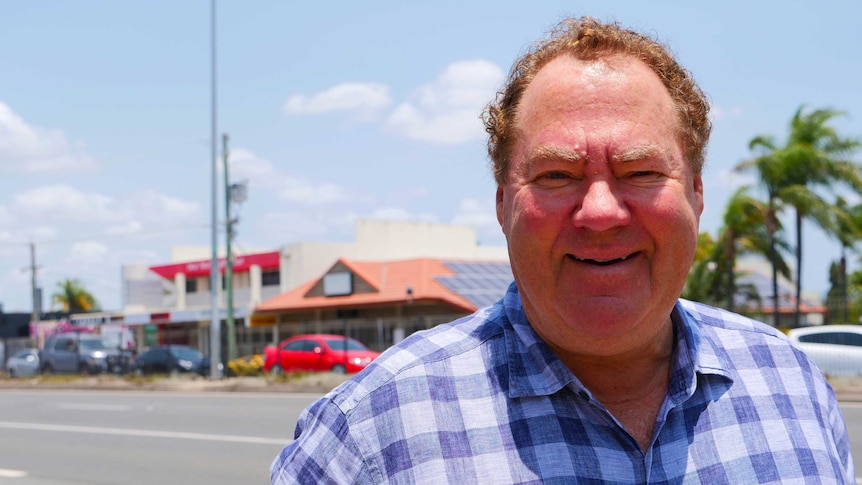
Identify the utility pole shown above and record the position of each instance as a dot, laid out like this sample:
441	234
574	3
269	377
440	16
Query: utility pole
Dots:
228	260
215	320
34	286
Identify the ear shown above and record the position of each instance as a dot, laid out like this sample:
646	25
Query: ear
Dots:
500	206
698	194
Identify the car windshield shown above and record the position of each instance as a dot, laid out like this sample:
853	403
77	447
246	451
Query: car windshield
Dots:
92	344
186	353
338	344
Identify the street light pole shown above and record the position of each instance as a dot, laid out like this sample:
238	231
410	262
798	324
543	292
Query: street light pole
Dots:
215	321
228	259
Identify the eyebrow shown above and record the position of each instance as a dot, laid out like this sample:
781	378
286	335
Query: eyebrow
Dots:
640	153
553	153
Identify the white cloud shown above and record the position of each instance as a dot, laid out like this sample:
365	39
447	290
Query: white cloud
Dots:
447	111
6	217
477	213
399	214
721	113
263	174
303	193
125	229
65	202
25	148
733	179
365	100
88	252
61	205
281	227
150	205
258	172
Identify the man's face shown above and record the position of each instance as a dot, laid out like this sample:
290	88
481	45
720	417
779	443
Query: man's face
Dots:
600	208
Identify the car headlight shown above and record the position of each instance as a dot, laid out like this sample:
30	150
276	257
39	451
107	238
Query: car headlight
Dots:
185	364
99	354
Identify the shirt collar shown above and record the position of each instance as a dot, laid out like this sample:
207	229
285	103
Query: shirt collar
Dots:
534	369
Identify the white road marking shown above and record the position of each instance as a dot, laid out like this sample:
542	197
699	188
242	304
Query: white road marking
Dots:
94	407
144	433
7	473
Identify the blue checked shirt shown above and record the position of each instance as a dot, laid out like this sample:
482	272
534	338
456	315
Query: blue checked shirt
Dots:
484	401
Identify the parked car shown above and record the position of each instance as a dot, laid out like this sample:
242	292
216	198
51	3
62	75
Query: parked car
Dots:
71	352
172	359
24	362
317	352
247	365
836	349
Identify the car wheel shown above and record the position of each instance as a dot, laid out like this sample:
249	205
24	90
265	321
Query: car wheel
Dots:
47	369
12	373
139	372
276	370
84	370
339	369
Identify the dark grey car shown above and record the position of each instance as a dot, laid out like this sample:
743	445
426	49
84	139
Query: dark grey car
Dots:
76	352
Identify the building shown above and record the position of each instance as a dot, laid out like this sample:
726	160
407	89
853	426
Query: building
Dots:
754	296
380	302
170	302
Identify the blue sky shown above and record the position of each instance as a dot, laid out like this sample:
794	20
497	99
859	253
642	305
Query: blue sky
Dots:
336	111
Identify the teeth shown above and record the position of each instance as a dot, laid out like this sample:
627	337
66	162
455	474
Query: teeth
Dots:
586	260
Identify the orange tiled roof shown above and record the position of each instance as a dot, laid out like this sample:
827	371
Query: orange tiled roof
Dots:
390	279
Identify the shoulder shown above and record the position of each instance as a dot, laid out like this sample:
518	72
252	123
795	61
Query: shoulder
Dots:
752	351
730	341
720	319
728	331
440	354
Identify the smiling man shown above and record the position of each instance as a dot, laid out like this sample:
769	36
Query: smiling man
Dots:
590	369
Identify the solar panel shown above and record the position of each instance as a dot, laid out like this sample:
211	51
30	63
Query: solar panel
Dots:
481	283
763	287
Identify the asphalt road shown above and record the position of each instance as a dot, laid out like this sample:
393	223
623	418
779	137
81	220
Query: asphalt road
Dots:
92	437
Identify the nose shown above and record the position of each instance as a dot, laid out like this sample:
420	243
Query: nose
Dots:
601	207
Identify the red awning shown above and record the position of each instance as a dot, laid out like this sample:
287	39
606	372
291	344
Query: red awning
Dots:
241	264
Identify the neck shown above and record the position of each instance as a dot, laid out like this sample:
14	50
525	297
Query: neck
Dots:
632	386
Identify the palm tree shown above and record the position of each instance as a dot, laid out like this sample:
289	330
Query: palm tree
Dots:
814	156
713	275
848	224
745	232
701	284
72	297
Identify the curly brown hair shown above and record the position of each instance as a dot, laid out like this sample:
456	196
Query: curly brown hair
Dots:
588	39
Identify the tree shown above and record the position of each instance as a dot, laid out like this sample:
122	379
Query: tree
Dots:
814	156
745	232
72	297
701	283
713	275
848	224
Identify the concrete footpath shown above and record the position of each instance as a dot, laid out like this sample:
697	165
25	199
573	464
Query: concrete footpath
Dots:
311	383
848	389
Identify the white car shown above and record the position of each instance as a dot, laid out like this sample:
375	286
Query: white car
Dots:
836	349
25	362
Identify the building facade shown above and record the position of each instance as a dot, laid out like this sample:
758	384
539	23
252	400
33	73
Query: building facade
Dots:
171	302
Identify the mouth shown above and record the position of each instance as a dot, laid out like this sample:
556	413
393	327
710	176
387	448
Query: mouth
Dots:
602	262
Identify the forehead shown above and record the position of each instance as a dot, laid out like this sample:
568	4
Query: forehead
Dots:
613	100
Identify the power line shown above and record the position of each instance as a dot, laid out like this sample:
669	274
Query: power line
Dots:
186	228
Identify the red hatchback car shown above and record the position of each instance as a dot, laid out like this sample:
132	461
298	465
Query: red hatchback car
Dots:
317	352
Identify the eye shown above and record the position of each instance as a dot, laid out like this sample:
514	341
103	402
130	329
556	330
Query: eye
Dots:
556	175
645	176
554	178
